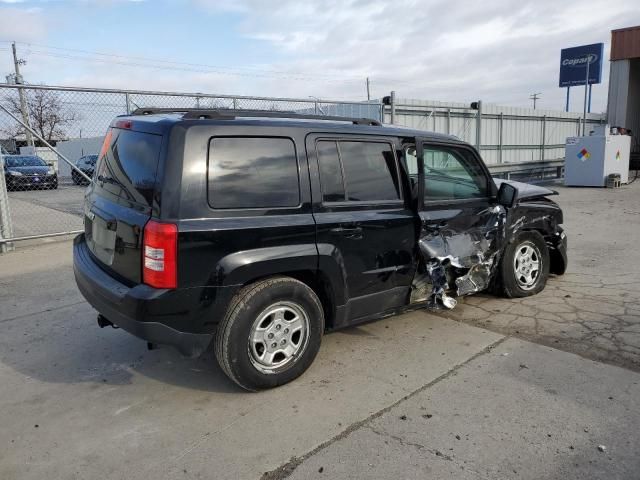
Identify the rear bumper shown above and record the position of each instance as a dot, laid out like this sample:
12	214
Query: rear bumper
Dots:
183	318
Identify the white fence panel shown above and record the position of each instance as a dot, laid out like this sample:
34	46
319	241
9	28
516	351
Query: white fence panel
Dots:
507	134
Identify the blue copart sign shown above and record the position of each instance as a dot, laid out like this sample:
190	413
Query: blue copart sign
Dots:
573	64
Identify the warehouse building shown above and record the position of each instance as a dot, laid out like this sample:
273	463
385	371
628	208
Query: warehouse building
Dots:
624	85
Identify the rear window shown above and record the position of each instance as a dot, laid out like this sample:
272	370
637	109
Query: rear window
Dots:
253	172
128	164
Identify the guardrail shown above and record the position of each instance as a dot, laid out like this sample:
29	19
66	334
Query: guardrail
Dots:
530	172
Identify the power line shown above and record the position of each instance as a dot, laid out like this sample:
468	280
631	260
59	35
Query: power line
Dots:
249	71
160	64
187	69
146	62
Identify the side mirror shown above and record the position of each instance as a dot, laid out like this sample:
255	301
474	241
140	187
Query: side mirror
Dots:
507	195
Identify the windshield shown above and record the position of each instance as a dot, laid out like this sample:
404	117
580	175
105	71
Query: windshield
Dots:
24	161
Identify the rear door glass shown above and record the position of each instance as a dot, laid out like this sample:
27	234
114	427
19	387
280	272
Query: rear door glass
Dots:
331	180
128	164
370	171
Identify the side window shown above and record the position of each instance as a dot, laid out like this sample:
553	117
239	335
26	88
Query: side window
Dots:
452	173
357	171
252	172
331	180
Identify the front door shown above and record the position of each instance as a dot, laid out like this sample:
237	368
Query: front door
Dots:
363	222
461	225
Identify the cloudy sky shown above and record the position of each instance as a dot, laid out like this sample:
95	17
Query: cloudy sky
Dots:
495	50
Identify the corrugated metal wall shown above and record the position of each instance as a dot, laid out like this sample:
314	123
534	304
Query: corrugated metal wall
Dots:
507	134
633	104
625	43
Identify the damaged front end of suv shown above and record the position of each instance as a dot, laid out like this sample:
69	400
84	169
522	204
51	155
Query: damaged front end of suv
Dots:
510	250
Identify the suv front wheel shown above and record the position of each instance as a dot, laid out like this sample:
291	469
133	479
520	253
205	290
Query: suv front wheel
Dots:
270	334
524	268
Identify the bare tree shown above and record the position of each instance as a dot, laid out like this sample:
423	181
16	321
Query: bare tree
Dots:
48	115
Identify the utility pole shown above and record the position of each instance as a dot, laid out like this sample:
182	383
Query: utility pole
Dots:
23	102
368	90
535	98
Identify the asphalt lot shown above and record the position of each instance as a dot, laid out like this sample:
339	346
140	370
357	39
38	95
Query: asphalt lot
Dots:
594	309
36	212
492	389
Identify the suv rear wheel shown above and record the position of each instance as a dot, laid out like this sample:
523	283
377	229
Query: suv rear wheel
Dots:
524	268
270	334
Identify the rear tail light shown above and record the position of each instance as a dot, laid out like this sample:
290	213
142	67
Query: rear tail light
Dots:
160	255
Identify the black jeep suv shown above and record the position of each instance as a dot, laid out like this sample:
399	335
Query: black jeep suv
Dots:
259	231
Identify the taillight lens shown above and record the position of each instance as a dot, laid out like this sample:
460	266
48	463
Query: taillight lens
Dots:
160	255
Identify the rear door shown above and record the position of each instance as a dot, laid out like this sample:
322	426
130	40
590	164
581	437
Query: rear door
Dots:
120	200
363	220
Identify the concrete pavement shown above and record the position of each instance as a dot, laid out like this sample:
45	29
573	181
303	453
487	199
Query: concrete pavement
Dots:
39	212
519	411
594	309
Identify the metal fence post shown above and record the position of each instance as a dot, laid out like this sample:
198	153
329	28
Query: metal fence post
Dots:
500	127
479	127
544	134
392	101
235	103
127	102
6	229
448	121
579	122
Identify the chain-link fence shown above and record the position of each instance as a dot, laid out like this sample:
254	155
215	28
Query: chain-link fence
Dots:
42	193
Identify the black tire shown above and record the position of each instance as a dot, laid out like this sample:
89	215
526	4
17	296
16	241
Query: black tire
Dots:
232	346
513	285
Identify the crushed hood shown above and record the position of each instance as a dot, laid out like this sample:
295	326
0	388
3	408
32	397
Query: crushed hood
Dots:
526	190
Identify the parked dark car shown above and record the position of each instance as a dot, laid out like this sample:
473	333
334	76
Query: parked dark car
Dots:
28	172
86	165
260	231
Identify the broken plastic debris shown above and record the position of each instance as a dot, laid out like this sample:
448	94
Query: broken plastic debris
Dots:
476	280
602	448
467	258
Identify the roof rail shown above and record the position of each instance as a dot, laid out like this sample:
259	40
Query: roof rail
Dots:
231	114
